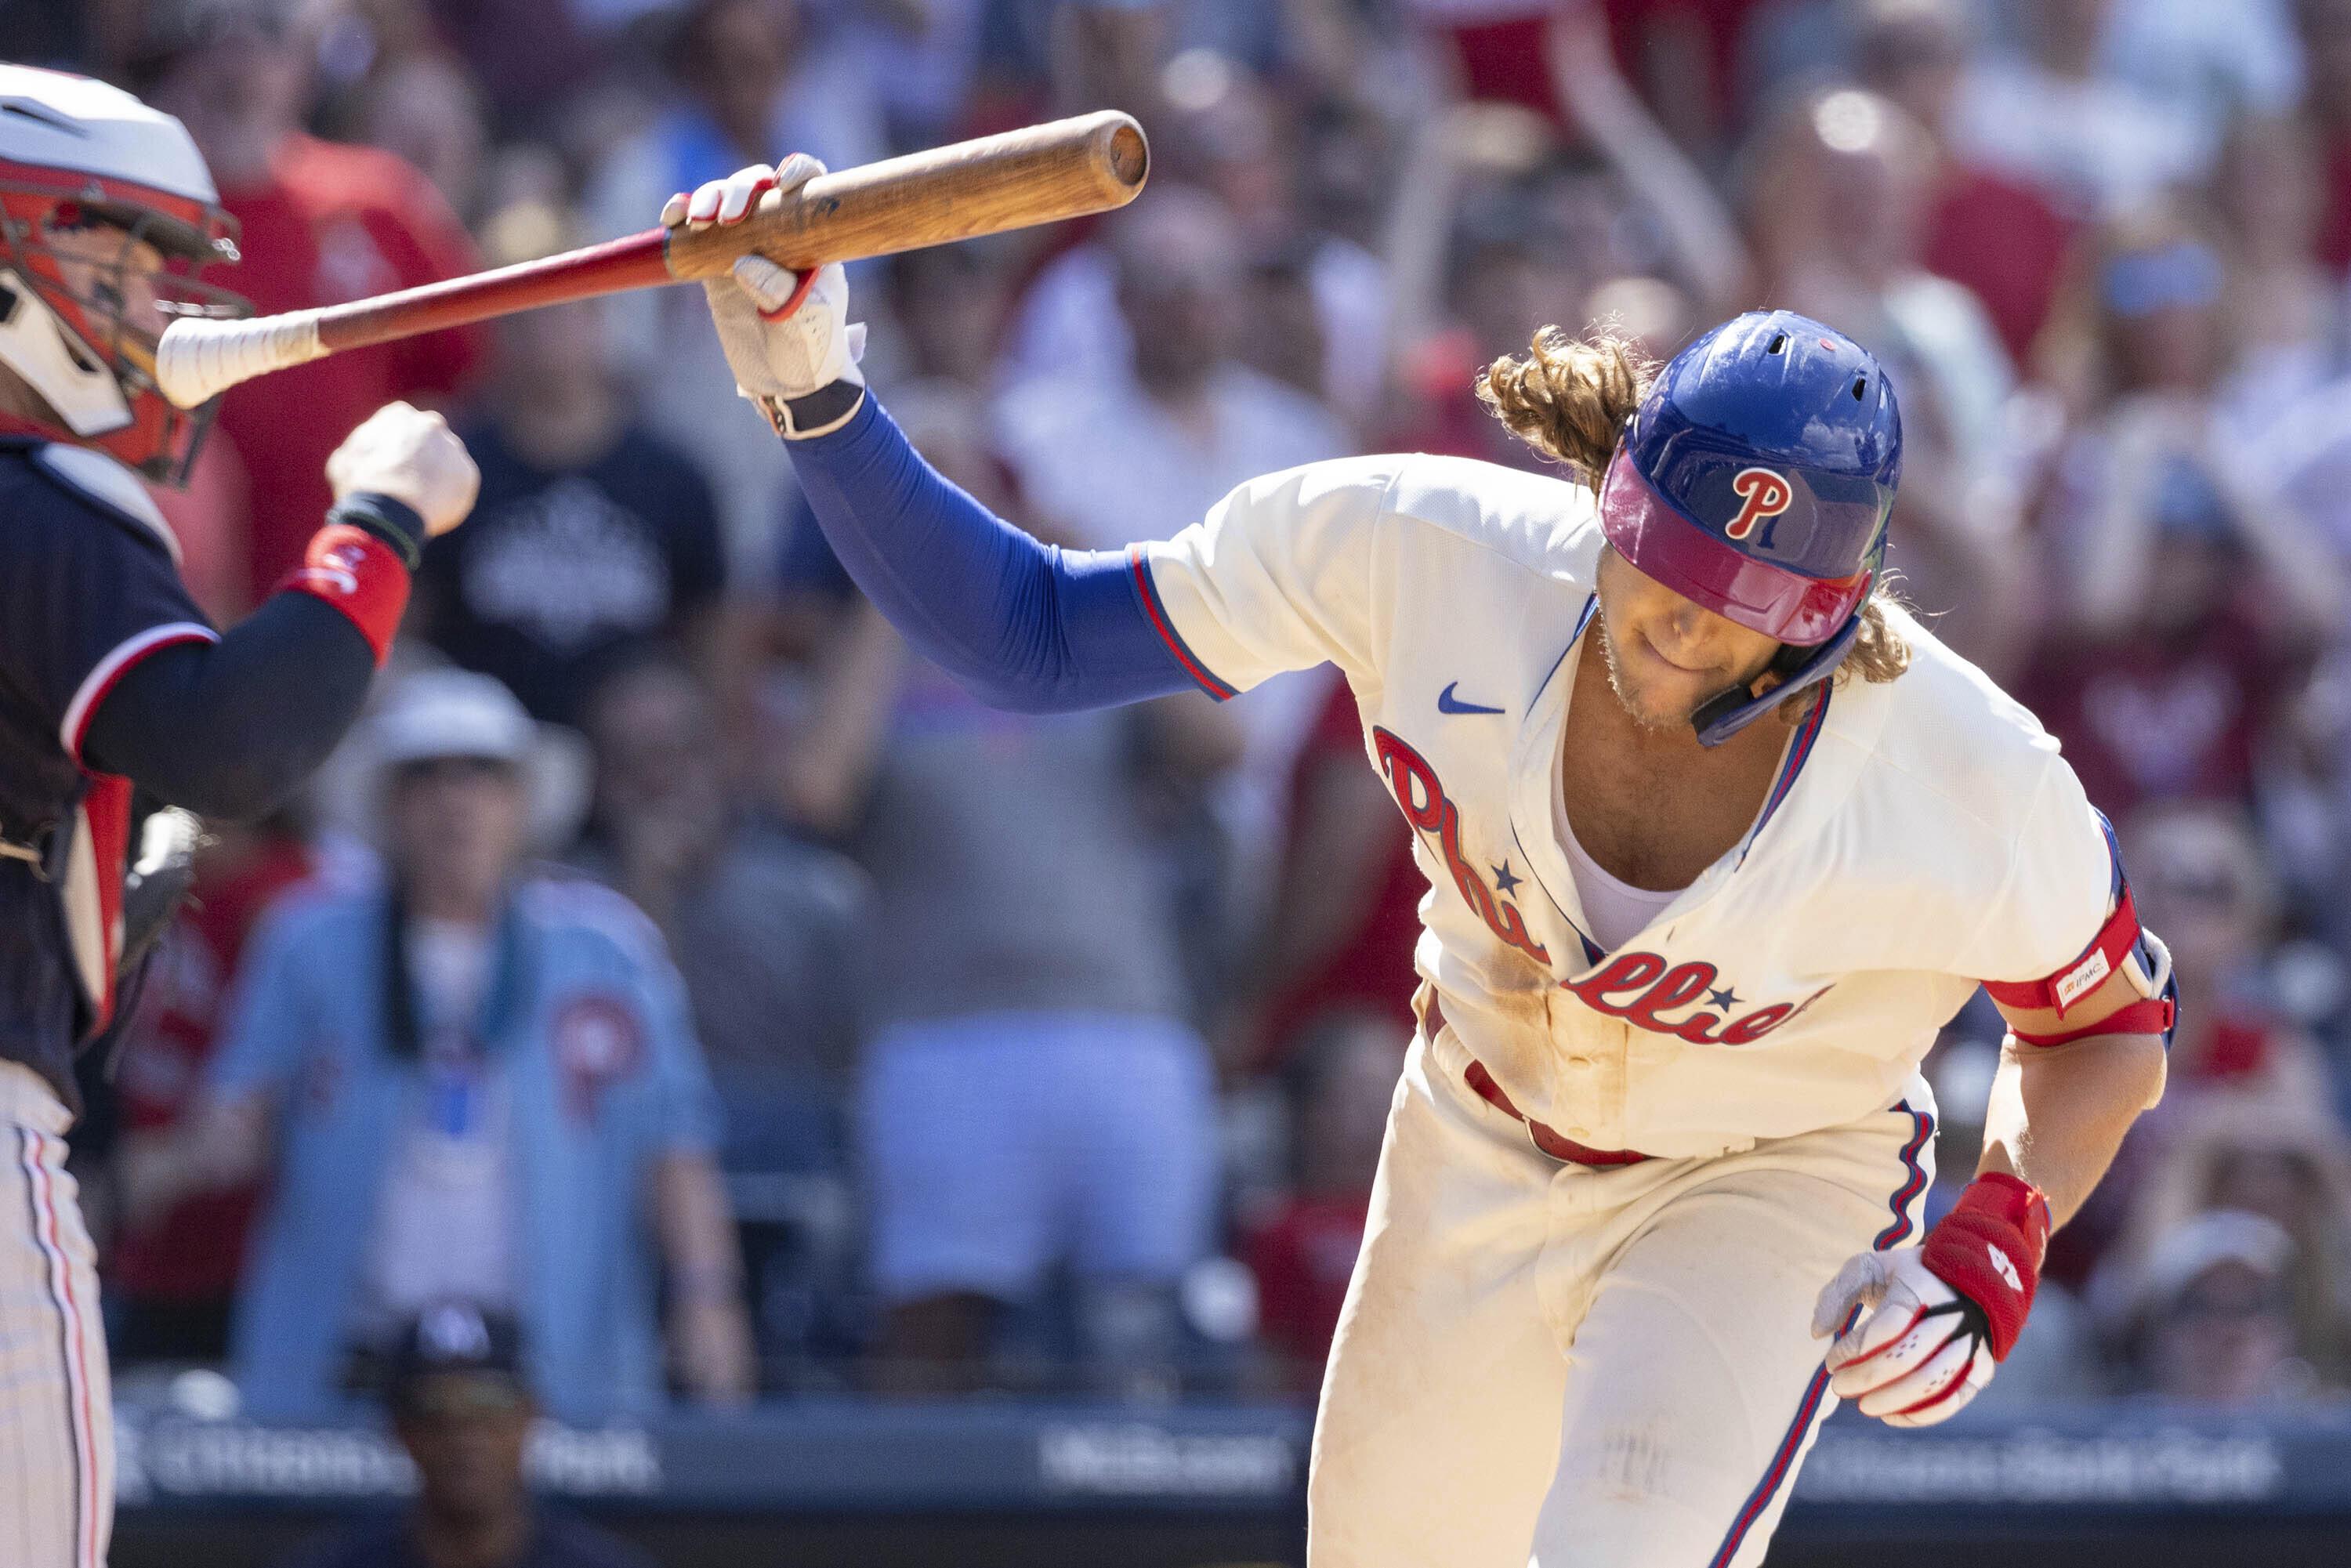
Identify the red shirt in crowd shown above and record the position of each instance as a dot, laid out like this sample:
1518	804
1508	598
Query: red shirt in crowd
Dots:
1503	49
1302	1256
2334	224
2154	718
1372	968
193	1254
2004	241
334	223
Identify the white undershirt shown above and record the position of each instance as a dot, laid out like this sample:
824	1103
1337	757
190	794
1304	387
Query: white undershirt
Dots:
1614	911
444	1220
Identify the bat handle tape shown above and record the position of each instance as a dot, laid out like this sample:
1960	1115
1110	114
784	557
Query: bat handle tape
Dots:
199	359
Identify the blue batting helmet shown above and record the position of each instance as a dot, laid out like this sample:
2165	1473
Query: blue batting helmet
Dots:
1756	480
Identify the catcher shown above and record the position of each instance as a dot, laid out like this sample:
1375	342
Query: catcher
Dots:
118	697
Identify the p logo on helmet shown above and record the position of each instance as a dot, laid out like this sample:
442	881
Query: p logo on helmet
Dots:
1769	414
1762	495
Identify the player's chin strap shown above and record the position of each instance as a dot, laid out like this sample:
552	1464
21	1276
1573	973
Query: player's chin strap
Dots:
1727	713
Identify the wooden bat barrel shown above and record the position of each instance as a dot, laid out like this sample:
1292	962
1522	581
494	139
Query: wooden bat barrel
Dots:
1042	174
1065	168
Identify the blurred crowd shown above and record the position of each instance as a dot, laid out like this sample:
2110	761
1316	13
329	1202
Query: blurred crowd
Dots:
677	965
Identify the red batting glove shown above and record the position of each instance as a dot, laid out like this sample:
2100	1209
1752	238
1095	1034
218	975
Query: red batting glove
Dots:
1940	1315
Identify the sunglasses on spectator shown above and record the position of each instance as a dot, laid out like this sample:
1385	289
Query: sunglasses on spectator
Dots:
2146	281
454	769
2197	887
2227	1299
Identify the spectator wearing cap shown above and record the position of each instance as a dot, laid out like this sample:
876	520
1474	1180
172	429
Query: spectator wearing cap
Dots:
468	1081
460	1407
2281	1158
2213	1317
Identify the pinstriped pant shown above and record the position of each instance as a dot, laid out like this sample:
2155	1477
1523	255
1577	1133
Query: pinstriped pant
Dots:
56	1419
1540	1365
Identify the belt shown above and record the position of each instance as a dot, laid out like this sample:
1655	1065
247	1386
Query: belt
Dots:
34	851
1558	1145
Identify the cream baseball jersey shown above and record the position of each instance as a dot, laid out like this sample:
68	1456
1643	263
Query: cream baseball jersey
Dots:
1922	835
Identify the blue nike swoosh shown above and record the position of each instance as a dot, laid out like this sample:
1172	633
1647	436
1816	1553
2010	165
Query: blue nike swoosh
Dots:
1448	703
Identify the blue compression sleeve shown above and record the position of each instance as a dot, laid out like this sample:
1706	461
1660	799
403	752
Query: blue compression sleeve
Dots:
1024	625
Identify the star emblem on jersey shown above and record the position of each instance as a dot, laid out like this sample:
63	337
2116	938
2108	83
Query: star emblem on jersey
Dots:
1724	998
1504	879
2004	1268
1448	703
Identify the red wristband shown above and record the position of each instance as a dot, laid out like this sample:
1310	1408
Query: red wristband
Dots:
1989	1248
360	575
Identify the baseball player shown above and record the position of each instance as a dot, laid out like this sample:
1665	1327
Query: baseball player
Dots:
1718	838
115	693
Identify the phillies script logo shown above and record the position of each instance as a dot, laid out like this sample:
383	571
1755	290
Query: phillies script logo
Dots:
1640	988
1422	801
1762	495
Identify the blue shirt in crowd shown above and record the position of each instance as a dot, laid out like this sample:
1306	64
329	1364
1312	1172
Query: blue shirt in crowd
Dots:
584	1029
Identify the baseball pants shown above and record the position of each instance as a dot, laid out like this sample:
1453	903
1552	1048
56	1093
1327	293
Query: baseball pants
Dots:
57	1421
1546	1366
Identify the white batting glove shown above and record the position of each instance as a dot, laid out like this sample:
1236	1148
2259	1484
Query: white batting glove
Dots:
1921	1351
786	334
414	457
1942	1313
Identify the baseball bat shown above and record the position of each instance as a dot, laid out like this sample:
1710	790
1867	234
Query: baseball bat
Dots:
1064	169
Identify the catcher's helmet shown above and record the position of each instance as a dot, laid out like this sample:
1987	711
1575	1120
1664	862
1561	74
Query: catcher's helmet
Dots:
1756	480
76	155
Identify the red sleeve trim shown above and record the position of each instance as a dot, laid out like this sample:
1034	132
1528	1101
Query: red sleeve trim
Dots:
360	575
108	673
2084	975
1148	591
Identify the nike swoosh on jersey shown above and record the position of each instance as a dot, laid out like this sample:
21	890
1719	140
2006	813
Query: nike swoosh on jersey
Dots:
1448	703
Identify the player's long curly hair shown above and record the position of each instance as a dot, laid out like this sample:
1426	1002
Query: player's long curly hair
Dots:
1571	399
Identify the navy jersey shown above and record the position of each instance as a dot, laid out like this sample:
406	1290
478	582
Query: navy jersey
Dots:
90	584
557	567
